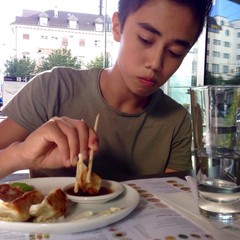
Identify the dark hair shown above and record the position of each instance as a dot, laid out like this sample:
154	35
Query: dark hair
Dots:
200	8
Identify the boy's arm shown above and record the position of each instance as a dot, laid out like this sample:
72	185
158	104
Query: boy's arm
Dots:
11	132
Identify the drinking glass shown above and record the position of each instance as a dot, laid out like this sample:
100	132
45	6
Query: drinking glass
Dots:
216	131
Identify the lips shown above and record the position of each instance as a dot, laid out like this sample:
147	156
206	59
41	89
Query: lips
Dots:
147	82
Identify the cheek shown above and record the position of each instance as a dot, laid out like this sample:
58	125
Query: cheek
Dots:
170	67
131	54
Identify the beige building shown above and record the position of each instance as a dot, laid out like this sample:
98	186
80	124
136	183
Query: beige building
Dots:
37	34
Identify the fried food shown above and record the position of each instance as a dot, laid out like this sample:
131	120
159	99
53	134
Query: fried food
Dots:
17	210
91	187
17	205
52	208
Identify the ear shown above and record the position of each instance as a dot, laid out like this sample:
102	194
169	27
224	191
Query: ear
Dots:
116	28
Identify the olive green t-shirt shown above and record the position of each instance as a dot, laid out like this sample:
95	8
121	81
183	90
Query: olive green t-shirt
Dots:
129	144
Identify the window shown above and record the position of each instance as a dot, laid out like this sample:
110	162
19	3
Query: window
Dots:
225	69
64	42
227	44
73	24
215	68
216	42
43	19
227	33
226	55
26	36
216	54
82	43
97	43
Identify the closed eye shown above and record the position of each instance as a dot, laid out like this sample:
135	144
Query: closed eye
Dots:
176	55
144	41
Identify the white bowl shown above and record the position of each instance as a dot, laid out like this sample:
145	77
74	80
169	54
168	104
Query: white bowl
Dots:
115	190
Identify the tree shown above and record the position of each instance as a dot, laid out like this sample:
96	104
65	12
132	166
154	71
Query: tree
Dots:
20	68
60	57
98	62
213	80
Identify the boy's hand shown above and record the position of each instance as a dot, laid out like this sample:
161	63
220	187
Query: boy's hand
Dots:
57	143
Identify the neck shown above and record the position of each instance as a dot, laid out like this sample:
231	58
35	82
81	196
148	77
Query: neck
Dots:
118	96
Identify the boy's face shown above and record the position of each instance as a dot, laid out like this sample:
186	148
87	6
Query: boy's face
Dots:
154	41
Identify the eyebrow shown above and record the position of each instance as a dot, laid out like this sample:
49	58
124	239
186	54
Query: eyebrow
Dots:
153	30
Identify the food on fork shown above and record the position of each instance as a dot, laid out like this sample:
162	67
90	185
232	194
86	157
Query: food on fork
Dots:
85	179
91	187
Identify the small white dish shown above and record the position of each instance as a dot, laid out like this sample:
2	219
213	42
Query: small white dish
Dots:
114	188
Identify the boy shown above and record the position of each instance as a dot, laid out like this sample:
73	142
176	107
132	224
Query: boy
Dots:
141	130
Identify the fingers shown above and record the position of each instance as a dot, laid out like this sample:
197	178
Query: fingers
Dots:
66	138
80	138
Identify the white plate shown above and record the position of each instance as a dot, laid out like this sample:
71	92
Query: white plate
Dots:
126	202
115	187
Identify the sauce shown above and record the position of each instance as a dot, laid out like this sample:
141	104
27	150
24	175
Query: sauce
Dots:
80	193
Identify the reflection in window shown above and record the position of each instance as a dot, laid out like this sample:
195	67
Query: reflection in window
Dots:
224	60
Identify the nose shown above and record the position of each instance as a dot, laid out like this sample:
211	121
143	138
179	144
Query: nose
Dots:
154	60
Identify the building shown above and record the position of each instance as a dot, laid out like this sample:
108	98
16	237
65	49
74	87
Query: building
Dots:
37	34
223	47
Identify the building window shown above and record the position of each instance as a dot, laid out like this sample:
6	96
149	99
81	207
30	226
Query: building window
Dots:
97	43
64	41
238	57
238	46
226	55
215	68
82	43
43	21
227	44
44	37
216	54
73	24
238	34
26	36
225	69
216	42
227	33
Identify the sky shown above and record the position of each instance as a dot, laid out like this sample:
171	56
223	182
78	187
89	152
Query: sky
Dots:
227	9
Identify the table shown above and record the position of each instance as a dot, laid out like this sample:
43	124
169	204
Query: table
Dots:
166	211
